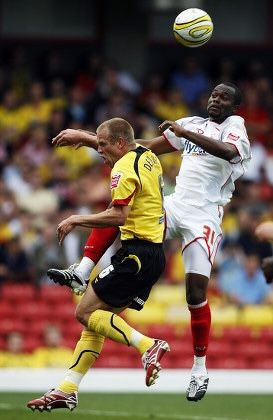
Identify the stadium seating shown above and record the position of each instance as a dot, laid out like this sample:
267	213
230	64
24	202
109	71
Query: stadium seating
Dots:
256	316
239	338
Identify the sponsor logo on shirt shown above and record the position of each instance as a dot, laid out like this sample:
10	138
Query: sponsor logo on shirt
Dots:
193	149
115	180
233	137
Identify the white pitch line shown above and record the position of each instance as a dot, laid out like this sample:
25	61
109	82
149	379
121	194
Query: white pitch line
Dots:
8	407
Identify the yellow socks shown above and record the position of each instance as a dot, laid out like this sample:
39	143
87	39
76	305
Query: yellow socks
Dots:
113	326
85	354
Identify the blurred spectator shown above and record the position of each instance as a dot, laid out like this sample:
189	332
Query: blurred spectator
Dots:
53	352
88	73
37	108
15	265
245	285
14	356
40	199
46	252
118	105
190	79
36	149
243	237
257	119
77	110
11	122
173	107
57	122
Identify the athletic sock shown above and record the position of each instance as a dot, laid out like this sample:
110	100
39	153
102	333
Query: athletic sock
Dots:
113	326
84	268
85	354
200	327
99	241
199	366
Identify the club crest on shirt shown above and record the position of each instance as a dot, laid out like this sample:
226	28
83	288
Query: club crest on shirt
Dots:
233	137
115	179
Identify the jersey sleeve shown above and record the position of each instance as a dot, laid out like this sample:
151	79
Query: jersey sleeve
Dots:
236	134
178	143
124	184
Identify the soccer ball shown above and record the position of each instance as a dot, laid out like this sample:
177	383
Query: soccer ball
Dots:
193	27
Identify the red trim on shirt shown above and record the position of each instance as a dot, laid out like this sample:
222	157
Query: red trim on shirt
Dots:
123	201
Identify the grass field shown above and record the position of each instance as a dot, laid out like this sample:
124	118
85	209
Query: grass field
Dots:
145	406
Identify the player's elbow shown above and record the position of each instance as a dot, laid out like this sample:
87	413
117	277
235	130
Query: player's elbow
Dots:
120	221
230	152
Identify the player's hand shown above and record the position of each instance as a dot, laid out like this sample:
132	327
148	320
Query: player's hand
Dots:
173	126
72	137
64	228
267	267
264	232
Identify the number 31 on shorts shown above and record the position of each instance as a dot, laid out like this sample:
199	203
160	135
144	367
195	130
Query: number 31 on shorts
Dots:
209	234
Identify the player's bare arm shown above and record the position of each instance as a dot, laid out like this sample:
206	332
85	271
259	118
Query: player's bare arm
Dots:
113	216
158	145
220	149
76	138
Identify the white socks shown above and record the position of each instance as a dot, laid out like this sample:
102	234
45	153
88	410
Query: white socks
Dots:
84	268
199	366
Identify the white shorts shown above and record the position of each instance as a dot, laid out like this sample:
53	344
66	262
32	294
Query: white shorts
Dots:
194	224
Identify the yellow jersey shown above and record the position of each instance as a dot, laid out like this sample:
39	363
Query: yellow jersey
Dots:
136	181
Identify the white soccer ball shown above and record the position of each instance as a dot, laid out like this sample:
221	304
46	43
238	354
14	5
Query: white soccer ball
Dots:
193	27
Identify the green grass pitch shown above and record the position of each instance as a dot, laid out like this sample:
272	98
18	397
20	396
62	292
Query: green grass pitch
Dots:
150	406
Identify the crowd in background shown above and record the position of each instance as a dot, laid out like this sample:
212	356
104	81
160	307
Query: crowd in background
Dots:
40	185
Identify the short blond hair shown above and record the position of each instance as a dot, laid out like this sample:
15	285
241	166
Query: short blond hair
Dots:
118	127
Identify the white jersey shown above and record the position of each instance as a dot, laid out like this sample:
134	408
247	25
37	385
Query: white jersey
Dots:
205	179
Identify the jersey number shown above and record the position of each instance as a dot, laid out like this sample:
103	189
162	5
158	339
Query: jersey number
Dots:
106	271
209	234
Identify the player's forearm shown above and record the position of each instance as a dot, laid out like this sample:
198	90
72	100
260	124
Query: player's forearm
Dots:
214	147
88	138
106	218
158	145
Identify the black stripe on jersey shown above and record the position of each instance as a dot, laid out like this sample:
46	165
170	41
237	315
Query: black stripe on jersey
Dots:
139	151
117	329
95	354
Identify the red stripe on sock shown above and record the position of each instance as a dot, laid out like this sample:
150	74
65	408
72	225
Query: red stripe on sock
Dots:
99	241
200	328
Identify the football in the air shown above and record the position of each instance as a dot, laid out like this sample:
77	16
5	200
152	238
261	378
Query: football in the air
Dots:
193	27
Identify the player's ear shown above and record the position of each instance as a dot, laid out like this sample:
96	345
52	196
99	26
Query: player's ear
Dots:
121	142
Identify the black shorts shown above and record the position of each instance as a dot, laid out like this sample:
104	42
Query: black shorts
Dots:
133	271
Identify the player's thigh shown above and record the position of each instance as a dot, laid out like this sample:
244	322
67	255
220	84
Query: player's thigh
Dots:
90	302
196	259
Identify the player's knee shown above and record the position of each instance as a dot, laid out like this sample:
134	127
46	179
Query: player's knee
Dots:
195	297
196	288
82	316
